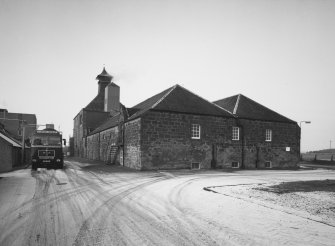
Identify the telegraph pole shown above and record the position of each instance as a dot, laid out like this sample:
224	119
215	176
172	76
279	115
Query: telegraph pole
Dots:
23	142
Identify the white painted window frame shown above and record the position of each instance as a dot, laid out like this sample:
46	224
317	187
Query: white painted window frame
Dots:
268	135
195	131
235	133
238	164
195	163
266	163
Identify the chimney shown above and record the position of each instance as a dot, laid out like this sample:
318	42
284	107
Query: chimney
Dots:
112	98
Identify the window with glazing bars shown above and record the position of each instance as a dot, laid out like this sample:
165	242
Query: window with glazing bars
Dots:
236	133
268	135
268	164
235	164
195	134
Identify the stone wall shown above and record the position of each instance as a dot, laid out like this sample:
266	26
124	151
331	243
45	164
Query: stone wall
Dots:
162	140
108	138
166	141
84	123
99	144
132	148
78	134
282	151
93	143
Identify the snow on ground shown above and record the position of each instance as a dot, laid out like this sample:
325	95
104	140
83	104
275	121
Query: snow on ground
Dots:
313	200
95	204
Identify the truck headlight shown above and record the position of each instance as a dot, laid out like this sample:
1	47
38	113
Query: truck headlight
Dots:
58	160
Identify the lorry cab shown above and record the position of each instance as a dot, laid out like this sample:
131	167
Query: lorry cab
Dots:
47	149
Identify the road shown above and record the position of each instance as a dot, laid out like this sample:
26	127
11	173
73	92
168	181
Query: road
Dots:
316	166
96	204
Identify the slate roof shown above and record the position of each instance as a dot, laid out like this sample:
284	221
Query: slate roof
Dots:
246	108
132	111
97	104
112	121
109	123
180	100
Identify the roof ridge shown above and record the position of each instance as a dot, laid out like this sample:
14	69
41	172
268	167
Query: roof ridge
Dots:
267	108
226	98
163	97
237	103
206	100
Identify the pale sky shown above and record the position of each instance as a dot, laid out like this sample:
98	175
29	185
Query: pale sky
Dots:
278	53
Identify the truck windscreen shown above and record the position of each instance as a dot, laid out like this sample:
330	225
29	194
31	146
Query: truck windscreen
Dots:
47	140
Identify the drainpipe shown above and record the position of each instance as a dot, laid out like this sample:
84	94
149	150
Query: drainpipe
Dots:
99	133
242	142
123	143
257	155
23	144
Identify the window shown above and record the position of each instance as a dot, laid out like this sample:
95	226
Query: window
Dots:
47	140
268	164
195	131
195	165
268	135
236	133
235	164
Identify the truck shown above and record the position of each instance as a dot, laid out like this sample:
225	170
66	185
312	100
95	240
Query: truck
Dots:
47	149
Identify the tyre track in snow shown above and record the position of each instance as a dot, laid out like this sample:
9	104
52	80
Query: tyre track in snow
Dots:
210	231
49	202
83	205
98	217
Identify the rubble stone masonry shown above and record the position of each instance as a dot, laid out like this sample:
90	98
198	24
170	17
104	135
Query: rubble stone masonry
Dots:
166	141
93	144
132	147
85	122
283	149
108	138
162	140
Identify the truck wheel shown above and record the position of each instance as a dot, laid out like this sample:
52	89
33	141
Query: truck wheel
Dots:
60	166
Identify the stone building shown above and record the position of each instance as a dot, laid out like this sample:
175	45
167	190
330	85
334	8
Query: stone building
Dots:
178	129
268	139
94	114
